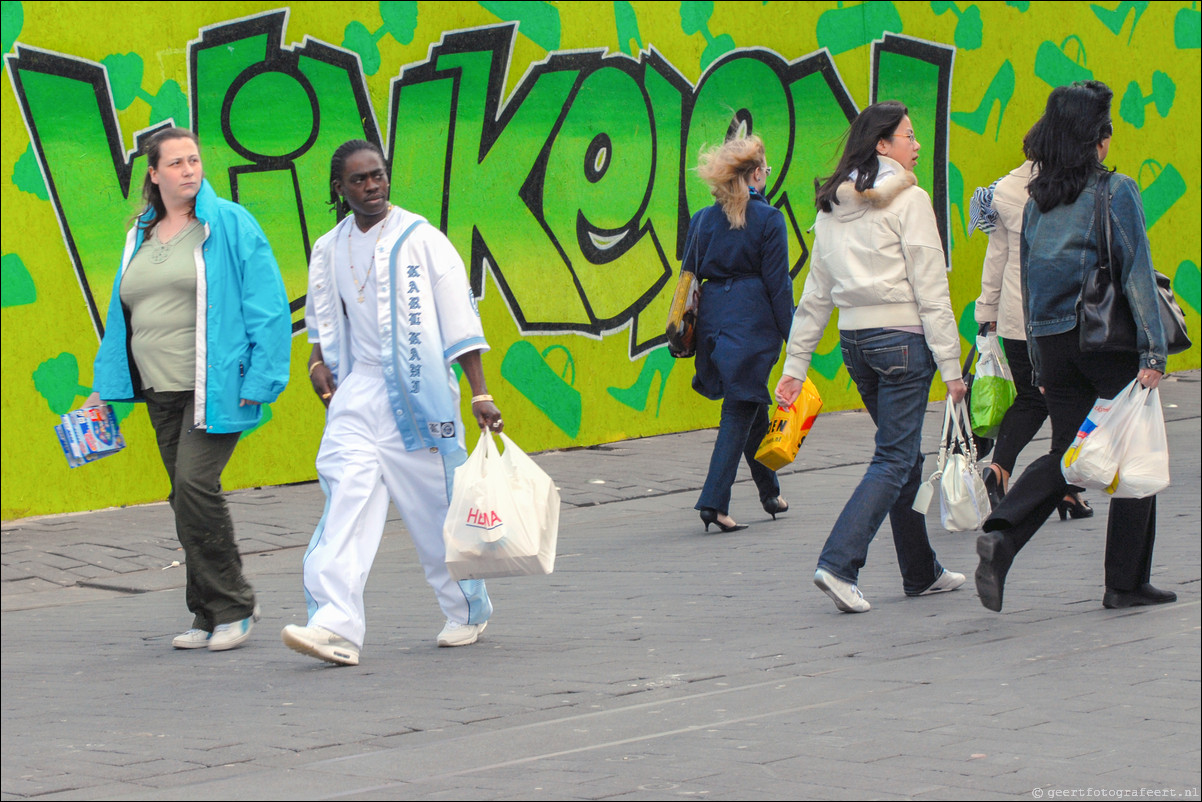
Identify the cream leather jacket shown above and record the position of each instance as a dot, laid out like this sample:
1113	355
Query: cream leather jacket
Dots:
877	257
1001	298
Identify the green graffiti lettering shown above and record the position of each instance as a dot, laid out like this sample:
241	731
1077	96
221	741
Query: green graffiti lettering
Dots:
490	162
573	192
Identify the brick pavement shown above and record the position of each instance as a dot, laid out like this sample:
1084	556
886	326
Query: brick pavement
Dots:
655	663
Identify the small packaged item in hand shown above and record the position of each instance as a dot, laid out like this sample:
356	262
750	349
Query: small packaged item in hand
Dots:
789	428
89	434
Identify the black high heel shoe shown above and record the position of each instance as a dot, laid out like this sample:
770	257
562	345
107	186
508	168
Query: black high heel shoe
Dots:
993	487
709	516
1077	507
775	506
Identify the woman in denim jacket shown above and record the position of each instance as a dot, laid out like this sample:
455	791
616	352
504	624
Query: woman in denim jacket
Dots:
1058	251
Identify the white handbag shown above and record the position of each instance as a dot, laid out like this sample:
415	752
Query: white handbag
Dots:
963	502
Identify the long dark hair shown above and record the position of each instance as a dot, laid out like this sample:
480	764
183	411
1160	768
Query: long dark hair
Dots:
340	206
870	126
1064	143
152	198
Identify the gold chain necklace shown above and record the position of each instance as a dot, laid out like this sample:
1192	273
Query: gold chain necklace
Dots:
351	261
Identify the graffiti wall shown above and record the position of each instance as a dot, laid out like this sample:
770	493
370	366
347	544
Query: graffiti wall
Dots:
553	143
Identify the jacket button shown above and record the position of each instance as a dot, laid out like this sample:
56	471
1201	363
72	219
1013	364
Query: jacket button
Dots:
433	450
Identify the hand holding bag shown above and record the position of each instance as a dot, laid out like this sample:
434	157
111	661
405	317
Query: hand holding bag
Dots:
983	444
1121	448
789	428
1144	468
993	388
963	502
504	515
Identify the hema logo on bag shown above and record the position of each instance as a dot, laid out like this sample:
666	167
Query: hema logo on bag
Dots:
483	519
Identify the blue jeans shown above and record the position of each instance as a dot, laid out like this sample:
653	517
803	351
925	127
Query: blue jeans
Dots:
893	371
743	426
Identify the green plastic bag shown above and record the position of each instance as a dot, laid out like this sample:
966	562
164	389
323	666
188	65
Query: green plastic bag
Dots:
993	387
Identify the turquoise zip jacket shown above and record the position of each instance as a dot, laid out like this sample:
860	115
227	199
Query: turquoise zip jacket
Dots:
244	339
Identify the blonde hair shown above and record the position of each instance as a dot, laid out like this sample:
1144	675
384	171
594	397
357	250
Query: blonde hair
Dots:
727	168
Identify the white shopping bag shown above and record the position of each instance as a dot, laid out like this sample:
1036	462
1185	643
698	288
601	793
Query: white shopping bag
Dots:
1094	458
1144	468
504	514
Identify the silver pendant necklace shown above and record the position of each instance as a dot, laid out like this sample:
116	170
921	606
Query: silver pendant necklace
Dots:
360	287
161	251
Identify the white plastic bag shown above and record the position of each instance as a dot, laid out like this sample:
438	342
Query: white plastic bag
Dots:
963	502
504	514
1093	459
1144	468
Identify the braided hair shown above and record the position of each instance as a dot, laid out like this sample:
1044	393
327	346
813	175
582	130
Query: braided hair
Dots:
340	206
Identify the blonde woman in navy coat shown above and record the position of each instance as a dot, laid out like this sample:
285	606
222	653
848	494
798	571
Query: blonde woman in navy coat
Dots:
738	248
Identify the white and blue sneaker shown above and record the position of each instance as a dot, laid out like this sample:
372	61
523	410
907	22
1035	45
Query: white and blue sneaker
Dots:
233	634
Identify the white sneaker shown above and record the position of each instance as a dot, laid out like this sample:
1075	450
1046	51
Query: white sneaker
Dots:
948	580
192	639
846	596
319	642
229	636
233	634
454	634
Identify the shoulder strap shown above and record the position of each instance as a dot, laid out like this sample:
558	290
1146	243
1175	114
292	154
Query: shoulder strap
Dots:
1102	213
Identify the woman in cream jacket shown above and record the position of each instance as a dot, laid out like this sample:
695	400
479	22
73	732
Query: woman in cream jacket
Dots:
877	257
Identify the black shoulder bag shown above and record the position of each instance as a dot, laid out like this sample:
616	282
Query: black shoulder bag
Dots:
1104	319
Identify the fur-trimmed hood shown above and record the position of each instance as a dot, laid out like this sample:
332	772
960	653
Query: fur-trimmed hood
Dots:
852	204
877	257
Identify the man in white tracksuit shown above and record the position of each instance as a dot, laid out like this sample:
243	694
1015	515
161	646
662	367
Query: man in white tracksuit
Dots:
389	309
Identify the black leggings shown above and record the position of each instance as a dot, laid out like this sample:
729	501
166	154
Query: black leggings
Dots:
1026	415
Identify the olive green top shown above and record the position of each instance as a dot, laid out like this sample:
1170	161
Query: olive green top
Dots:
159	290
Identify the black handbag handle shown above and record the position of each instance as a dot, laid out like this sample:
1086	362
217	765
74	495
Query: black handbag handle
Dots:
1102	212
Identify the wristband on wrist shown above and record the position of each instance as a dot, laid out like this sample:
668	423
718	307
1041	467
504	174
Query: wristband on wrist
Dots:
481	397
314	365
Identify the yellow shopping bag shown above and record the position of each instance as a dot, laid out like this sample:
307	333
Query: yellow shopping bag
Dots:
789	428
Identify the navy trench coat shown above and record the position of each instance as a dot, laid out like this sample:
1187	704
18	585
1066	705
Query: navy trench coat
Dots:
746	305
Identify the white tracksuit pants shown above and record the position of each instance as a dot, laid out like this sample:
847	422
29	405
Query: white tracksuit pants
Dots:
362	461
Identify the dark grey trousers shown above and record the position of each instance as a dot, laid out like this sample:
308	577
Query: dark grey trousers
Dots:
216	593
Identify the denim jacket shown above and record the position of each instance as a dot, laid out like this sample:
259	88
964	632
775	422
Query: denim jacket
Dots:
1060	247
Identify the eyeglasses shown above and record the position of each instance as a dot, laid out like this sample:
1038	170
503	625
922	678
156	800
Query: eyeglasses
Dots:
909	136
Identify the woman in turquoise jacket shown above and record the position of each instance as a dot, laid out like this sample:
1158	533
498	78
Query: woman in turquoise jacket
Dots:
203	377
